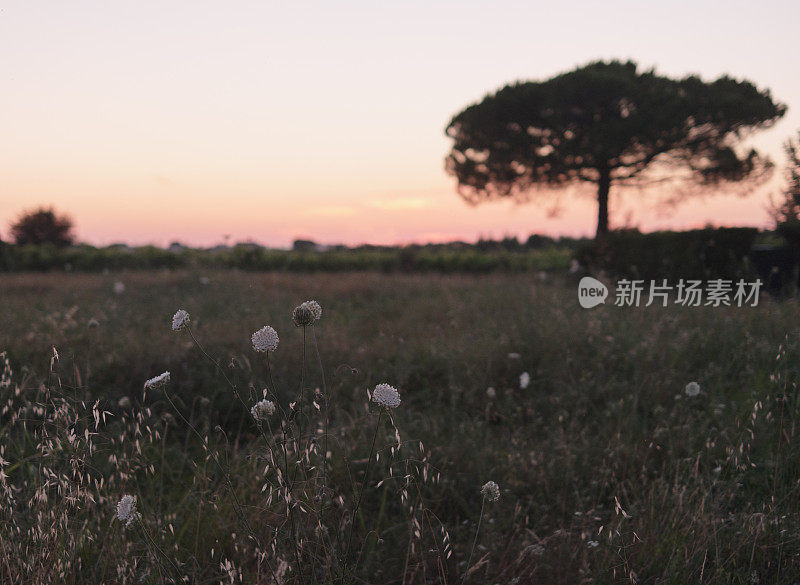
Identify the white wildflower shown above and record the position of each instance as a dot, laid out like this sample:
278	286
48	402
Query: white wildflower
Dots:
126	510
158	381
491	491
179	320
491	392
265	339
124	402
592	544
315	308
263	410
692	389
119	287
386	395
524	380
513	356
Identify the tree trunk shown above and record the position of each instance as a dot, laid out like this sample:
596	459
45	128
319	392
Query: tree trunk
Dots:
603	187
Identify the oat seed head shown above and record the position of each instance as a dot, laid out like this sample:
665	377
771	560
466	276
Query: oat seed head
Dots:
179	320
386	396
491	491
265	339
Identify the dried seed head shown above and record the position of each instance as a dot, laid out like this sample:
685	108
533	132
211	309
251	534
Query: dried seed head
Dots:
491	491
126	510
157	382
265	339
179	320
302	315
315	308
386	396
263	410
692	389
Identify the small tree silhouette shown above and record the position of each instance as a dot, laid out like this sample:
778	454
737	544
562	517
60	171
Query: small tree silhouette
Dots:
43	226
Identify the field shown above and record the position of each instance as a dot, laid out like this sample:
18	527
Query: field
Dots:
609	471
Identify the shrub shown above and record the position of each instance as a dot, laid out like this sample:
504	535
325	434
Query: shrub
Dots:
699	254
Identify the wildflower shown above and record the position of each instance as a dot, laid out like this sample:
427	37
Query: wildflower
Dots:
179	320
119	287
692	389
126	510
265	339
157	382
303	315
315	308
491	392
124	402
513	356
491	491
386	395
524	380
262	410
592	544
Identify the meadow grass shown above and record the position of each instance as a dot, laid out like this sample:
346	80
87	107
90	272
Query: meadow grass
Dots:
608	471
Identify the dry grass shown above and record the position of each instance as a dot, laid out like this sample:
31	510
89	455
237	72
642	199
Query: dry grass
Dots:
609	472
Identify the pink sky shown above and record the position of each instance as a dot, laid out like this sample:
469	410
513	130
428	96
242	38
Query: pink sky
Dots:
150	123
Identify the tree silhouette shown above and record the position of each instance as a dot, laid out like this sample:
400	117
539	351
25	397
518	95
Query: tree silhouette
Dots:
42	226
607	124
789	209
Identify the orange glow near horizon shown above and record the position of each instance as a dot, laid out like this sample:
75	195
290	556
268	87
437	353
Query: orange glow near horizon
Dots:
153	123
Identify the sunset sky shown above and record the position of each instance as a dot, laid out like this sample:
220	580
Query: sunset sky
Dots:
150	122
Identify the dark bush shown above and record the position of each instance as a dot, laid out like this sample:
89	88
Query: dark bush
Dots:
696	254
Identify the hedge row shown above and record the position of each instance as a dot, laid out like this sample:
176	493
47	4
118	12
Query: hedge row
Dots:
412	259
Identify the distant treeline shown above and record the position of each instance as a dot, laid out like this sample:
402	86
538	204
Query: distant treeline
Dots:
727	253
508	254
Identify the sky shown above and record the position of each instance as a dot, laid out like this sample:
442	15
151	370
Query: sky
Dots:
206	121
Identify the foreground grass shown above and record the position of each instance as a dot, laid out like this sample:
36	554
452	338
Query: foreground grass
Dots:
608	471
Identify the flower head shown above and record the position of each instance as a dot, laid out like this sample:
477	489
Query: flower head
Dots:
302	315
524	380
265	339
692	389
179	320
126	510
157	382
263	410
386	395
315	308
491	491
306	313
